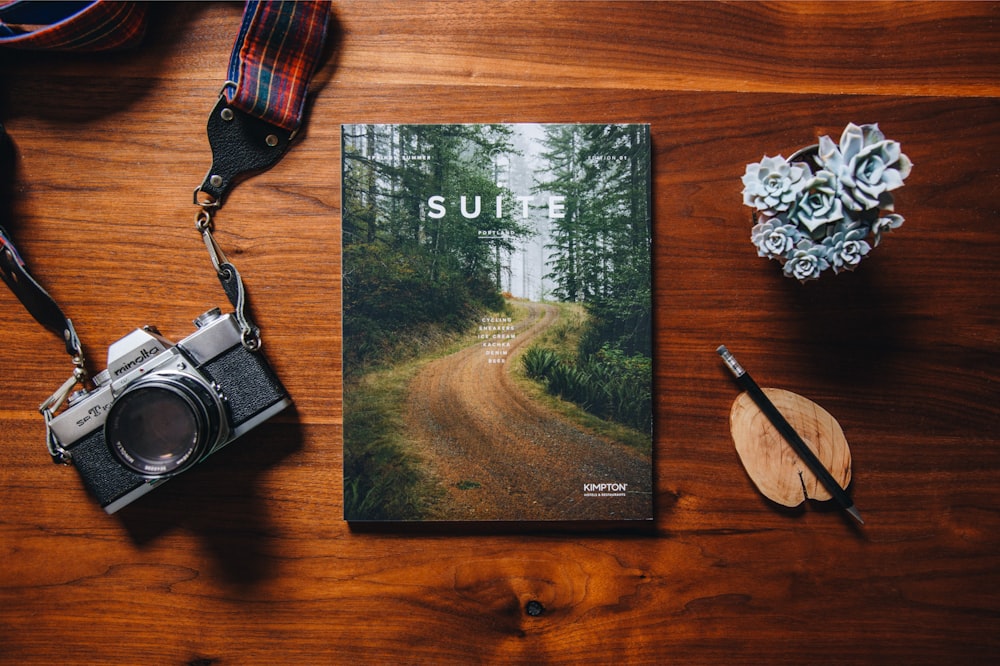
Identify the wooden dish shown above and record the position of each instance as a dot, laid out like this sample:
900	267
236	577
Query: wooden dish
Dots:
770	461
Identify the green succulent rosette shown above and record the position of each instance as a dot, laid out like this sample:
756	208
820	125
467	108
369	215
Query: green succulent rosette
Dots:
828	205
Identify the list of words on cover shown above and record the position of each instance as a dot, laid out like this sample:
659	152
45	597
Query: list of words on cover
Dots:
495	334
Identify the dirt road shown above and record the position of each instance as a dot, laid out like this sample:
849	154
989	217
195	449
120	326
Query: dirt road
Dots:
503	457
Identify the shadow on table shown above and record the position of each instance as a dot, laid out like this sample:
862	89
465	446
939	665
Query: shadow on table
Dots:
221	501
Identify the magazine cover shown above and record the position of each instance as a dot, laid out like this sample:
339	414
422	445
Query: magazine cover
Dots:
497	322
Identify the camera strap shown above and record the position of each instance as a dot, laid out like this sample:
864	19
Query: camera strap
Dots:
256	117
258	113
32	295
72	26
63	26
36	300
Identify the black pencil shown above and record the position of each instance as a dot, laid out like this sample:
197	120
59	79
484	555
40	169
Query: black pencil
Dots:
801	449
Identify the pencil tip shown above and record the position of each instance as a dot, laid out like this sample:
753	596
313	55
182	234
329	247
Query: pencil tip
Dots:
721	349
853	510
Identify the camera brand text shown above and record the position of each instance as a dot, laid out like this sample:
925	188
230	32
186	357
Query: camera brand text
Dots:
144	354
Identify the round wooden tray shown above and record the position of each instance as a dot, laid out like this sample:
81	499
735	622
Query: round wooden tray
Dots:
770	461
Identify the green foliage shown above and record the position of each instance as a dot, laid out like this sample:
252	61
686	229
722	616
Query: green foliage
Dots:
624	322
610	384
602	243
387	300
407	267
600	256
538	362
381	480
625	383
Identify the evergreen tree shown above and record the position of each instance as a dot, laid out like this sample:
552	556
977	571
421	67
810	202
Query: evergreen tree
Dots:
415	199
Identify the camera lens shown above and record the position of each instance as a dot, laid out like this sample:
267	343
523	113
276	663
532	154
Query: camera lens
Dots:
161	425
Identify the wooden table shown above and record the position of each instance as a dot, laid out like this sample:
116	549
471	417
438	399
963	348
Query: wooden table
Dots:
246	560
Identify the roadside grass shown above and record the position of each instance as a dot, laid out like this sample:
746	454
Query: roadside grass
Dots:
563	339
383	478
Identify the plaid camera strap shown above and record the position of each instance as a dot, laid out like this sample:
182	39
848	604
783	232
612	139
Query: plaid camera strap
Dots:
275	54
277	49
258	113
71	26
261	107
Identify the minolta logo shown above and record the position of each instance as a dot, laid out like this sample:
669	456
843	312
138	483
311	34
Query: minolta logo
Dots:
141	357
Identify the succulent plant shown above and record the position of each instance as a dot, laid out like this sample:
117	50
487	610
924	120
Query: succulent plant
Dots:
868	165
828	205
806	261
818	204
773	184
846	247
774	238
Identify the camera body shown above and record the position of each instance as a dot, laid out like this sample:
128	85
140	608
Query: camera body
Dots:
160	408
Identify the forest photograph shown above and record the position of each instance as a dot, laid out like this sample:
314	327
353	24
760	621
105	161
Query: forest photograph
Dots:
497	338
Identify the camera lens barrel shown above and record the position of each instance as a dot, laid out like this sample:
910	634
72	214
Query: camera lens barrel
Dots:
164	423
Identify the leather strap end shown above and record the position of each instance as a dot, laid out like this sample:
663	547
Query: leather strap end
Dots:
241	145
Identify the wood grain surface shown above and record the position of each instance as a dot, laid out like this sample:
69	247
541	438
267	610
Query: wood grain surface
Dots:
246	560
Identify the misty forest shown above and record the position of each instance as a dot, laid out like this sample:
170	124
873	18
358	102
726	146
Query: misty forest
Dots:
441	223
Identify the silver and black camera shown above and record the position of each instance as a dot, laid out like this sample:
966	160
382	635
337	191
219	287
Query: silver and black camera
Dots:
160	408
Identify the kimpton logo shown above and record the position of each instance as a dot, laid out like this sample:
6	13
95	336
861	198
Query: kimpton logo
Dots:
605	489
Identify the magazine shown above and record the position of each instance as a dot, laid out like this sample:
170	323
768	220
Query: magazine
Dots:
497	322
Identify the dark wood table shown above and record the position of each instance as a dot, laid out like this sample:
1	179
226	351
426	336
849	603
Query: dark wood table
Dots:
246	559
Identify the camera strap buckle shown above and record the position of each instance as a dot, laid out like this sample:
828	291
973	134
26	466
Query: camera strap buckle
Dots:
259	111
232	281
48	409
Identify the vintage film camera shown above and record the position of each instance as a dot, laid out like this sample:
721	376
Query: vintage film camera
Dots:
160	408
